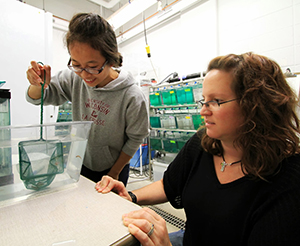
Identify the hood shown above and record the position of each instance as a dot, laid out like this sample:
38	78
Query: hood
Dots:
124	80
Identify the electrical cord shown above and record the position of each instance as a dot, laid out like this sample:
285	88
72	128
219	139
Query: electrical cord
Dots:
147	46
174	74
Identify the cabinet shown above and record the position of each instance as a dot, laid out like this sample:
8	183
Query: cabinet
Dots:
174	116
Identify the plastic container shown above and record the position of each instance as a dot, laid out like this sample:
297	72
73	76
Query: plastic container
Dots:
4	107
198	121
169	96
155	121
184	94
73	140
135	160
180	95
197	91
168	121
189	94
185	136
170	145
64	117
155	143
2	82
6	175
180	143
184	121
155	98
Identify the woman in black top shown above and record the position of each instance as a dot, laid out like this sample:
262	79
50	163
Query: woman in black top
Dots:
238	179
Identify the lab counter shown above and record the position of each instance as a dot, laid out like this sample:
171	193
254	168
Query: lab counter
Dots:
74	215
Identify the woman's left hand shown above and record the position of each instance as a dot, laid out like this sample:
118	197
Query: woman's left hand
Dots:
147	227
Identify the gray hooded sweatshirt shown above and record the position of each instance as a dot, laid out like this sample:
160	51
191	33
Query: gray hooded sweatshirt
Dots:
119	112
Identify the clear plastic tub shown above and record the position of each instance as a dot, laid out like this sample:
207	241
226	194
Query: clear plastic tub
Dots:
155	98
198	121
155	121
169	96
170	145
155	143
22	177
185	94
168	121
184	121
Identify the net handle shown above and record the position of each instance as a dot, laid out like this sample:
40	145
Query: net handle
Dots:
42	102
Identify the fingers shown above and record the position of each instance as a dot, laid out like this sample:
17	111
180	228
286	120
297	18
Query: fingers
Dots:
143	225
144	213
107	184
140	235
147	226
36	67
47	69
35	74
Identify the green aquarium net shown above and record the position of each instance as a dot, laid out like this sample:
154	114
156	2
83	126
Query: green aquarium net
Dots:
40	160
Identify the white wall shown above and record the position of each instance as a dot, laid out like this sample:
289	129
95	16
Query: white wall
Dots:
26	34
217	27
60	52
187	42
268	27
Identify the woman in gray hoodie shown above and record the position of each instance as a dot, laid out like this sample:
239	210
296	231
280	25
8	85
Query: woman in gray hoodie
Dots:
99	93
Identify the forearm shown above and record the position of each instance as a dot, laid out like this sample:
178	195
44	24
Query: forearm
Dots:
151	194
119	164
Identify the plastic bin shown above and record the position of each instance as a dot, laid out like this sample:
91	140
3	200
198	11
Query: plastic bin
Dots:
169	96
180	143
170	145
198	121
185	94
155	98
197	91
72	145
155	121
168	121
155	144
184	121
135	160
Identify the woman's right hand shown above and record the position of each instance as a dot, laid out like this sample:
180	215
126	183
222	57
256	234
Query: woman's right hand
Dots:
35	74
107	184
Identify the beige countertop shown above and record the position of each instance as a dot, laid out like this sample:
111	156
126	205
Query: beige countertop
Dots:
74	215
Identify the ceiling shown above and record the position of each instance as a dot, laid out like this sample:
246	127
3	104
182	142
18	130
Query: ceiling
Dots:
65	9
125	25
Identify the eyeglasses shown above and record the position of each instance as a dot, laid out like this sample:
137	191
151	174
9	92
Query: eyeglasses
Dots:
213	105
88	69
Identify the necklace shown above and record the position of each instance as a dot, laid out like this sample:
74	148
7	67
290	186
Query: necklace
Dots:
224	163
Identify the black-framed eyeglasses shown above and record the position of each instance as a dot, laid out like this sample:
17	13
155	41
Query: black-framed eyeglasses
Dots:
88	69
213	105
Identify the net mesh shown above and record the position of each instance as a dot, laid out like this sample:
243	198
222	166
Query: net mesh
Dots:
40	161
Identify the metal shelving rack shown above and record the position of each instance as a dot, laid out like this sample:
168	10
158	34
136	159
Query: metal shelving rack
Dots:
172	110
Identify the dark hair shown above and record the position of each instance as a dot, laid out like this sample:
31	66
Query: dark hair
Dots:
271	127
92	29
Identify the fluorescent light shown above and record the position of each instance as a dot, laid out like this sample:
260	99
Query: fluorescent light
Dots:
105	4
129	11
170	12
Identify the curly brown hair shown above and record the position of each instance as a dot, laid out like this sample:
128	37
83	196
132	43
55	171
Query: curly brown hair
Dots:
270	131
95	31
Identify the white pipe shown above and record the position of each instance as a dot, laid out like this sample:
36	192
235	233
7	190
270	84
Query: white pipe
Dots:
105	4
141	159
